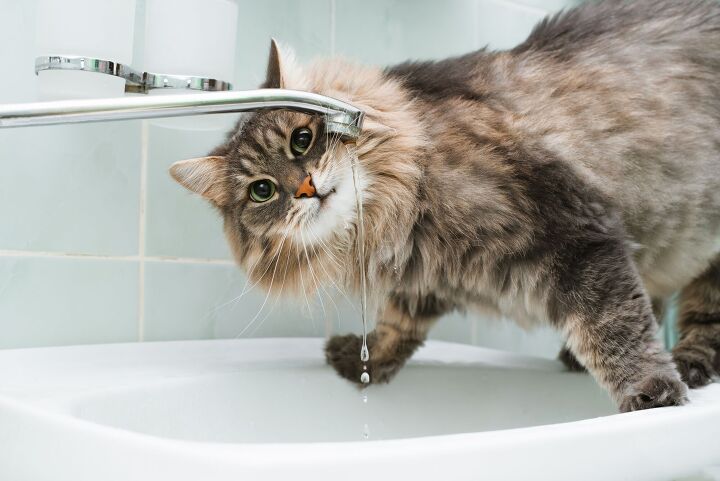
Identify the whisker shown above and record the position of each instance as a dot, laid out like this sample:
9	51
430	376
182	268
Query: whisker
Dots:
245	289
272	280
302	283
339	289
277	298
335	285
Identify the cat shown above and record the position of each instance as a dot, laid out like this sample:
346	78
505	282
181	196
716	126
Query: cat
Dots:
573	180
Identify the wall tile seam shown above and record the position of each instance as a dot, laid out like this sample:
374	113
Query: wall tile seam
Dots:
142	227
333	26
5	254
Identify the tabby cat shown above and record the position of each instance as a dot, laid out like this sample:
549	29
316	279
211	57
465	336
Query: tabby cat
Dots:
573	180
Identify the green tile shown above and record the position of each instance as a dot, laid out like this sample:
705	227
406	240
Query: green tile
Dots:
389	31
205	301
180	223
58	301
453	328
18	82
305	26
71	188
506	335
504	25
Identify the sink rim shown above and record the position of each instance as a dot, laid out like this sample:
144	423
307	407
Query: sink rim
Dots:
308	350
45	431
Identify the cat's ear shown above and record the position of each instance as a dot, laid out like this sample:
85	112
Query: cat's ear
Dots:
282	70
273	78
204	176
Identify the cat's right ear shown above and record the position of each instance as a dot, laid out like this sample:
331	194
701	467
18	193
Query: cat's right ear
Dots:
204	176
274	78
283	72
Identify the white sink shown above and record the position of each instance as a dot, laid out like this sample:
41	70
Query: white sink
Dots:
269	409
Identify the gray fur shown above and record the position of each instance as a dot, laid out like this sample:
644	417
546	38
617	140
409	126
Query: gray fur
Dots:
568	181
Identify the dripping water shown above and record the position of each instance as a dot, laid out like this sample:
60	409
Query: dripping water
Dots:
366	425
364	352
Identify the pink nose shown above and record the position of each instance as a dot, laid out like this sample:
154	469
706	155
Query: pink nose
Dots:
306	189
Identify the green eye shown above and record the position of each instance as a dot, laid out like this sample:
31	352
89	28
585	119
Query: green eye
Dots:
300	140
262	190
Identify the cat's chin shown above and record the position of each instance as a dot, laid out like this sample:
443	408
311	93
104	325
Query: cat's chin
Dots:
331	216
323	221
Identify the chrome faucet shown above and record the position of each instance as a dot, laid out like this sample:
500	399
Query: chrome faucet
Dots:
340	117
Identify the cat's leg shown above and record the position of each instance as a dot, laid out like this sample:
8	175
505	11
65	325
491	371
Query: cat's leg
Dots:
697	353
600	303
396	337
570	361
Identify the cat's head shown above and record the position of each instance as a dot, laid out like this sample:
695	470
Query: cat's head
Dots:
285	186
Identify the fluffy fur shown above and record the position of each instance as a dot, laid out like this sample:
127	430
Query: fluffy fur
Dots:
570	181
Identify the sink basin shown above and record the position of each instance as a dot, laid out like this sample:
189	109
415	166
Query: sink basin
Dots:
267	409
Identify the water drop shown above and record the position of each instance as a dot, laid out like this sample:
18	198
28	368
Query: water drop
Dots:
364	398
366	431
364	353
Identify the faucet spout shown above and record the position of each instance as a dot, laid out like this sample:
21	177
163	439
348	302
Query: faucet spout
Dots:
341	118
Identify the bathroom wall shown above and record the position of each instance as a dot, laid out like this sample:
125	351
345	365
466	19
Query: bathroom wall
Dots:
97	244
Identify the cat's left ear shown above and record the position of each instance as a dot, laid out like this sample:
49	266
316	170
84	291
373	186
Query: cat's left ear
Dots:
204	176
282	70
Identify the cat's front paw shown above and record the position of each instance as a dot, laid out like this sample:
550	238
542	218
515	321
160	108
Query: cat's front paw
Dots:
659	390
343	354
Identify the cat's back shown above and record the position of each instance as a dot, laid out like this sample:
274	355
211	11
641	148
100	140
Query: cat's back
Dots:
634	24
629	90
627	93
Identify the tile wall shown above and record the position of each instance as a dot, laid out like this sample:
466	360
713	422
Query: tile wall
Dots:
98	244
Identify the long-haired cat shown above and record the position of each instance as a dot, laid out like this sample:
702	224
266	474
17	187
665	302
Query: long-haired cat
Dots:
573	180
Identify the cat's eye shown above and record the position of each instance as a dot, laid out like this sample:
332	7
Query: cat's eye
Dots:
300	140
262	190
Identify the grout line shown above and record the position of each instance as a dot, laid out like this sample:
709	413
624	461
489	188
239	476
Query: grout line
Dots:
136	258
142	227
190	260
333	11
66	255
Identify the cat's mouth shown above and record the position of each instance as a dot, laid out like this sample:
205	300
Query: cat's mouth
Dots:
323	197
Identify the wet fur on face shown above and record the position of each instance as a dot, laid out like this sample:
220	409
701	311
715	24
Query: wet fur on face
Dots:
568	181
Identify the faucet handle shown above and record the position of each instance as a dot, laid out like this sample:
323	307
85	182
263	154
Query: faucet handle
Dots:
135	80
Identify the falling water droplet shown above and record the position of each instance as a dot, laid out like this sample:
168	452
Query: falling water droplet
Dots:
364	398
364	353
366	431
365	378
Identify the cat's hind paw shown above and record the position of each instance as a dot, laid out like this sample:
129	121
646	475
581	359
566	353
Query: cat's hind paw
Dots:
695	364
